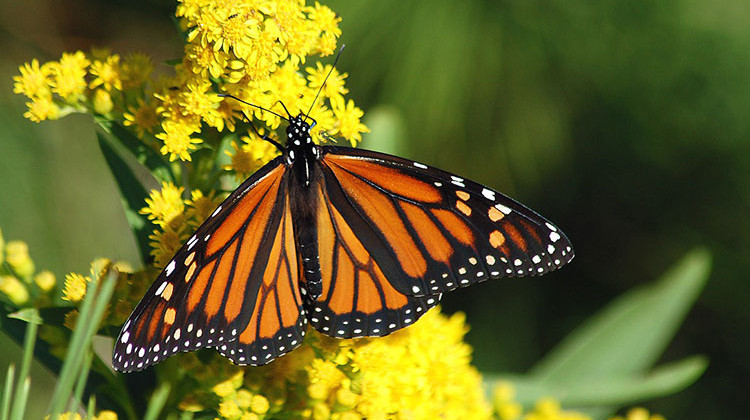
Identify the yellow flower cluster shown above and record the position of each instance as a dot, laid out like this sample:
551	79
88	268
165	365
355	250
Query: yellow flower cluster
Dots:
507	408
103	415
251	49
19	282
420	372
79	83
175	218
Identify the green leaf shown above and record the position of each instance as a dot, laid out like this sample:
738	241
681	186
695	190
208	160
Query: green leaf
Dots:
619	390
133	194
30	315
628	336
146	156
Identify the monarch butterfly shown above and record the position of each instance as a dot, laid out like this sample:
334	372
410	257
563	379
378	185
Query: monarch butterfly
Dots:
355	242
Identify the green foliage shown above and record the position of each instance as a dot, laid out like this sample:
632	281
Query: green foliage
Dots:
606	362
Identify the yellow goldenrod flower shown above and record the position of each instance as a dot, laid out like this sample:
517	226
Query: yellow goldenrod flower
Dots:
250	156
197	99
165	243
549	409
107	73
45	280
34	80
200	206
334	87
136	69
165	204
71	319
504	402
142	118
75	287
349	116
206	61
69	76
259	404
177	140
228	409
14	289
66	416
42	108
102	102
17	256
103	415
321	411
327	23
106	415
244	398
638	413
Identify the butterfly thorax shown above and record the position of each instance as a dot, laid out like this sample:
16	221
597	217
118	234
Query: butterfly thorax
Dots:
301	155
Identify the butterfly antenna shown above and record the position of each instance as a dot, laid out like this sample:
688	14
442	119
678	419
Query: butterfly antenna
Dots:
264	137
226	95
284	106
335	61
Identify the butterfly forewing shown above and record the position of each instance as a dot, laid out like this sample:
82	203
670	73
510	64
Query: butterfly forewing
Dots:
207	293
278	322
432	231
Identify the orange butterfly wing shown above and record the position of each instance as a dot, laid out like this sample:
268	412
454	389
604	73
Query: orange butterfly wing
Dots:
231	286
406	233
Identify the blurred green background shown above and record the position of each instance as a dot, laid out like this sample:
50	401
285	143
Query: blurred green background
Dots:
624	122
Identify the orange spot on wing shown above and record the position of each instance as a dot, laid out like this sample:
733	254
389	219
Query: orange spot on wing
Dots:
463	195
497	239
189	258
388	178
463	208
167	293
429	234
169	316
495	214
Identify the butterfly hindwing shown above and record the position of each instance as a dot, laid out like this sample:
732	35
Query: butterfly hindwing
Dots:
207	293
357	299
432	231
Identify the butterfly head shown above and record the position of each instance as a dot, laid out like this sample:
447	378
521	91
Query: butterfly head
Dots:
300	152
298	131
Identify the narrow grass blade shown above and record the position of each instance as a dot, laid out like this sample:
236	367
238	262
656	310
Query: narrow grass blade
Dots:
157	401
91	311
7	392
20	397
